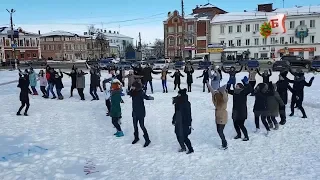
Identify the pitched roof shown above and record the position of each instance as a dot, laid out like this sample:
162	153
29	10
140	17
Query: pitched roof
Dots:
61	33
4	30
241	16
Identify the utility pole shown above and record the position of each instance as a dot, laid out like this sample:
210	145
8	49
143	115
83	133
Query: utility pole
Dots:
13	45
183	33
282	3
139	44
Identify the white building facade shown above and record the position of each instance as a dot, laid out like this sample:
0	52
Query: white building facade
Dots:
118	43
240	32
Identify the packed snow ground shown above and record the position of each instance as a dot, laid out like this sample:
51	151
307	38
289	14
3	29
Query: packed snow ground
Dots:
75	132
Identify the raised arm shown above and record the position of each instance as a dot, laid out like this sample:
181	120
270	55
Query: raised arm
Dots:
259	72
270	72
222	68
181	75
308	84
210	87
69	74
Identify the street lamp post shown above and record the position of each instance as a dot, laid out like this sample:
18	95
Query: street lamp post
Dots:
13	45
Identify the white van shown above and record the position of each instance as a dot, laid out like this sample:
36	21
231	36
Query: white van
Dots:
160	64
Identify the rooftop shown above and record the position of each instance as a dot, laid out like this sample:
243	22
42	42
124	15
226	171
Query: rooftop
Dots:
241	16
60	33
4	30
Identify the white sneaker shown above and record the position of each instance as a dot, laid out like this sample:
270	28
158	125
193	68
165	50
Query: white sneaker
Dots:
267	133
257	130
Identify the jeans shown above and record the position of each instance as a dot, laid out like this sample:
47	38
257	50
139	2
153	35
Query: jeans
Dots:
264	121
115	122
80	92
24	103
71	90
298	103
164	85
272	120
135	127
220	128
146	86
50	89
43	90
204	87
239	125
59	92
232	81
93	92
34	90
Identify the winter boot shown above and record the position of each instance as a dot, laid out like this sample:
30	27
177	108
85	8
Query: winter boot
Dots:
267	133
276	126
146	137
166	90
245	139
54	97
282	122
304	116
182	150
18	114
237	137
163	91
25	114
291	114
270	125
190	151
223	147
257	130
135	140
119	134
93	99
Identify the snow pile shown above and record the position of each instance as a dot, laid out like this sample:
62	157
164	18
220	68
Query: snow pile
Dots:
77	133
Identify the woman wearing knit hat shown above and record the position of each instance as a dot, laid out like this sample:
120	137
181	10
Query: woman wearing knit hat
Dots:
115	111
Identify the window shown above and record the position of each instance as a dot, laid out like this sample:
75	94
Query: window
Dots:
247	42
264	55
272	40
170	30
311	39
256	55
7	42
52	47
272	55
179	41
256	41
291	25
264	41
22	55
238	28
27	43
221	29
281	40
59	47
230	43
21	42
33	43
256	27
222	42
291	40
301	54
190	28
66	46
239	42
248	28
302	22
171	42
301	40
312	23
311	54
230	29
34	55
179	28
190	40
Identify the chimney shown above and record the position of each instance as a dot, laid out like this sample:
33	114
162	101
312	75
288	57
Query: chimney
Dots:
114	32
39	32
105	31
265	7
85	33
117	32
109	31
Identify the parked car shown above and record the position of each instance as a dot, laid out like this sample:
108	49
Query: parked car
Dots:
105	64
160	64
197	60
124	65
315	65
252	64
9	62
92	62
179	65
280	66
266	60
204	64
297	61
40	62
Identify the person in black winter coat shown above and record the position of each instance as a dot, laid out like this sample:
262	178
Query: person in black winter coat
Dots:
282	88
182	120
24	93
177	79
73	75
239	108
297	91
94	83
232	74
147	76
189	71
205	75
139	112
58	83
98	71
265	75
260	106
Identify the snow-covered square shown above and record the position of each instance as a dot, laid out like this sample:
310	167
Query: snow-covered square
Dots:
73	139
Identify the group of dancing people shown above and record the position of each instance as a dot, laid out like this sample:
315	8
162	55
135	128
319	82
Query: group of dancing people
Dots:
270	99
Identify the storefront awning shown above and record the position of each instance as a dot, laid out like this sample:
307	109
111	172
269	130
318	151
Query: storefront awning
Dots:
234	50
310	49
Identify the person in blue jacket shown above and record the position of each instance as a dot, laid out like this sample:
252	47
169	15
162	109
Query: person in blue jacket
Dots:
139	112
33	81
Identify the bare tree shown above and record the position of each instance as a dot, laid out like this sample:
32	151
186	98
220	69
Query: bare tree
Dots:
158	46
102	43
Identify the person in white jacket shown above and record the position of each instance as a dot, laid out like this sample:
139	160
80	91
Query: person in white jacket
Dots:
107	96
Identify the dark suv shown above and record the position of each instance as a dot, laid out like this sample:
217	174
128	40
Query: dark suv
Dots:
297	61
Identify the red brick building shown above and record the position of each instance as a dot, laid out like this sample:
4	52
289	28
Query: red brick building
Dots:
27	45
196	30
